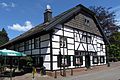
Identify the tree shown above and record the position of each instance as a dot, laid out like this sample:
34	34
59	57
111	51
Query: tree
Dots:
3	37
114	51
106	19
115	38
115	45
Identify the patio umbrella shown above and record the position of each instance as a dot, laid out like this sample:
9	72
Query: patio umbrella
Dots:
6	52
11	53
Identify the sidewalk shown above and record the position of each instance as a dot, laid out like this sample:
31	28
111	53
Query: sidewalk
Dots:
76	72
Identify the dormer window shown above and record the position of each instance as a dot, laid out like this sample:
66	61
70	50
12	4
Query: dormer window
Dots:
87	22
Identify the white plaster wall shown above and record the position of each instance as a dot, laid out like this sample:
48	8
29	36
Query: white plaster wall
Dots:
83	62
76	45
90	47
68	29
71	52
68	34
54	58
55	38
69	40
46	57
45	50
70	46
58	32
91	62
85	46
55	51
55	45
47	65
55	66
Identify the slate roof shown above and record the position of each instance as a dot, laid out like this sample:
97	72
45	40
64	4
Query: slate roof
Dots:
56	20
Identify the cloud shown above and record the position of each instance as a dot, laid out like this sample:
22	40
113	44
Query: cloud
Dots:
17	27
4	4
13	5
7	6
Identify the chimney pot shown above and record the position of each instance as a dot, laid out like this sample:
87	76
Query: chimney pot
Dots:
48	14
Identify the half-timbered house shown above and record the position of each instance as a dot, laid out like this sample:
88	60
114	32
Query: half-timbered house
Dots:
74	39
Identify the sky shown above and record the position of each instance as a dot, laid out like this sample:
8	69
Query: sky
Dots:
18	16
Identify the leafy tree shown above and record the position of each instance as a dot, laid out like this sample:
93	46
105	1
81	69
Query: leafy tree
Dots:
114	51
106	18
3	37
115	38
115	47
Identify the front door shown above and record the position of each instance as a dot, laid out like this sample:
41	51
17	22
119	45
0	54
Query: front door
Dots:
87	61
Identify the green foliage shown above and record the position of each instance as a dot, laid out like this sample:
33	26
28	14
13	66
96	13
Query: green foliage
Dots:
26	61
115	44
3	37
115	38
114	51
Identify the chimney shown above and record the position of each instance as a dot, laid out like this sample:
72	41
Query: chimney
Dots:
48	14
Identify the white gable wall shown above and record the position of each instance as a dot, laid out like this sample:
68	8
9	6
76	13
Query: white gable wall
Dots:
74	43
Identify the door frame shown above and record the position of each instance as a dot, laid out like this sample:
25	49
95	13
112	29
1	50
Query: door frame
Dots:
87	61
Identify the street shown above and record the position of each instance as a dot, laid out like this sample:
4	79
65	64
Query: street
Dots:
106	74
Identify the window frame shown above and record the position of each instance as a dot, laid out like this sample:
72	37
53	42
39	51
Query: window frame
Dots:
101	47
80	59
26	46
60	59
86	22
94	58
61	42
101	59
36	43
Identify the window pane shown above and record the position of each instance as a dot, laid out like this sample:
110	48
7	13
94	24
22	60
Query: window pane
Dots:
36	44
95	59
102	59
63	42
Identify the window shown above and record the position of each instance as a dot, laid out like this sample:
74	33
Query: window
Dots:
63	42
89	39
87	22
77	60
61	61
101	47
83	38
36	43
102	59
16	47
27	45
95	59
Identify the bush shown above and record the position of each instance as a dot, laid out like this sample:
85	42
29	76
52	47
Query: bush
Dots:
113	59
25	63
